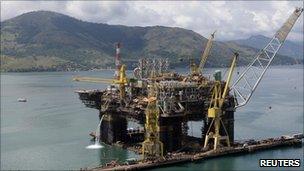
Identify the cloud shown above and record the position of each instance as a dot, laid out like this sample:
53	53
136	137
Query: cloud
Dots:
97	11
231	19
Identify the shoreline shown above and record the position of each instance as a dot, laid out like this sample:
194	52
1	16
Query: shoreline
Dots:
186	67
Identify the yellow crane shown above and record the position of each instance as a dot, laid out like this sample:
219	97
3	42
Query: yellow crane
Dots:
245	85
121	81
215	111
194	69
152	147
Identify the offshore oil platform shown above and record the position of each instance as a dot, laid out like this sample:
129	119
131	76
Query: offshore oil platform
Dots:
163	102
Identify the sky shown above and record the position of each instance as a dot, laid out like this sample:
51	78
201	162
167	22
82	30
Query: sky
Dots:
231	19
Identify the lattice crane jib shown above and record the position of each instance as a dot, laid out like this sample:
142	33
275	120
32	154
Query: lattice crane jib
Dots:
245	85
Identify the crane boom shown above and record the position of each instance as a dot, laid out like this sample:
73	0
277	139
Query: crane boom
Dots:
121	80
246	84
93	80
229	77
206	52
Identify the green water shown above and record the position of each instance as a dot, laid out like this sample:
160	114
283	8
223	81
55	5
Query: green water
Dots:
50	131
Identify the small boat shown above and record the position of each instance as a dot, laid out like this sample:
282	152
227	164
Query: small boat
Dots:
21	99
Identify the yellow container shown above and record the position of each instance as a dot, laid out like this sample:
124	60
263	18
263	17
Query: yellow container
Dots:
212	112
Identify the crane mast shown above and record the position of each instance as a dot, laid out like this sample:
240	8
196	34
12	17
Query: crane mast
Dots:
245	85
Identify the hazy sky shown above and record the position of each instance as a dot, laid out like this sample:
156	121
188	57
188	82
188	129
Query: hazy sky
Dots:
232	20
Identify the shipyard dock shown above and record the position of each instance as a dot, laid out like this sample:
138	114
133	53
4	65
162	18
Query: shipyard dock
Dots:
180	158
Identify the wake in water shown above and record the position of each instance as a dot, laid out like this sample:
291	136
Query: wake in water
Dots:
97	145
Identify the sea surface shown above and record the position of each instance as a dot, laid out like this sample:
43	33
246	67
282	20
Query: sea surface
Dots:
51	130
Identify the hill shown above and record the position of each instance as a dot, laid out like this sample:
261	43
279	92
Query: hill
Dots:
289	48
49	41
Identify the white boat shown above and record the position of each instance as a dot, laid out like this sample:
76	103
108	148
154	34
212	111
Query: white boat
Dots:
21	99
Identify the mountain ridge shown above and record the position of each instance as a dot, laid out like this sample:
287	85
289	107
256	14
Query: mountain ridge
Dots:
289	48
49	41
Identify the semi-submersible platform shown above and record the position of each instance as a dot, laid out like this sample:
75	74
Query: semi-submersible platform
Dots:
163	102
